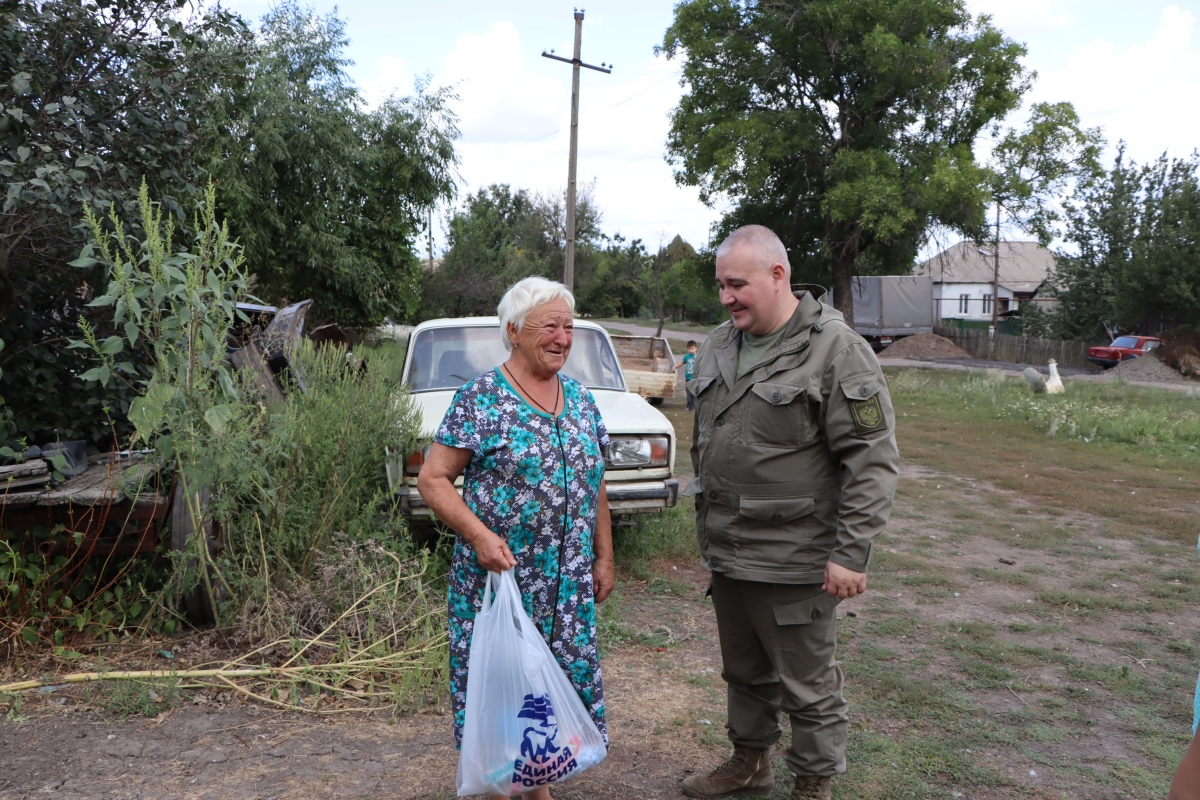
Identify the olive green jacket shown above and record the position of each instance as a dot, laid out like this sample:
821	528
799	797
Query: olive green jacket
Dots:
796	463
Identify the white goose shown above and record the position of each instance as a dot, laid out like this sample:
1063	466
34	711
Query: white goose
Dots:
1054	384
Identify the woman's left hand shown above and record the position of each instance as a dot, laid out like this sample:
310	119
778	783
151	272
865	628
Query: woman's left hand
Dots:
603	578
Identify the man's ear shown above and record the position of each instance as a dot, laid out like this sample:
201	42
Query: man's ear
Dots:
779	273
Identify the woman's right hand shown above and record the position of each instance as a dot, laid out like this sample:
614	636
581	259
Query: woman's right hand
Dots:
493	553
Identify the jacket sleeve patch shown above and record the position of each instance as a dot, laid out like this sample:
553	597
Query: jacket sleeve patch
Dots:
868	415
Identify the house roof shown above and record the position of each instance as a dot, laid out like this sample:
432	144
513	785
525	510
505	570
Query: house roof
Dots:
1024	266
1020	287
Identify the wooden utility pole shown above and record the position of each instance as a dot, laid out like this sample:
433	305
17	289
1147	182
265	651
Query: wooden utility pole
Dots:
576	63
996	277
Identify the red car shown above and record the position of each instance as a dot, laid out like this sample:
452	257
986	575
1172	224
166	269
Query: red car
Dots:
1122	348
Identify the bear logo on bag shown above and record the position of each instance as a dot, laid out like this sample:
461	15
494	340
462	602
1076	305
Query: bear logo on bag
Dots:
538	742
543	760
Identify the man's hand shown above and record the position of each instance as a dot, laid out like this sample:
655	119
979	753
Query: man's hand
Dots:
603	579
843	583
493	553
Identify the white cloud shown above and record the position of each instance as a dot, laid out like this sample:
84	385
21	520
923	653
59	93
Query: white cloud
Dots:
515	122
391	77
1144	93
1022	18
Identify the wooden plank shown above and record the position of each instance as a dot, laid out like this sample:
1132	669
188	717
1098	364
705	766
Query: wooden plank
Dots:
15	499
13	484
36	466
651	384
99	484
250	361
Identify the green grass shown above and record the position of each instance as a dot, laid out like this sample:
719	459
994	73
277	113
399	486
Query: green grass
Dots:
666	536
1119	413
1139	472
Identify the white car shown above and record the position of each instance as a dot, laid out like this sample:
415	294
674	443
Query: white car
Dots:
443	354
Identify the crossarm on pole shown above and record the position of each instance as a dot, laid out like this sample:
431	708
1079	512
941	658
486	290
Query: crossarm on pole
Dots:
605	70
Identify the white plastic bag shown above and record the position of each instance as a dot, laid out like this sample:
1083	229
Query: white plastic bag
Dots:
525	725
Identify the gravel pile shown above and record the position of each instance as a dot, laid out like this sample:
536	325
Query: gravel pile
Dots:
1146	368
924	345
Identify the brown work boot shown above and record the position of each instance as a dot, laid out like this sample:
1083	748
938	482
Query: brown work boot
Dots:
811	787
748	771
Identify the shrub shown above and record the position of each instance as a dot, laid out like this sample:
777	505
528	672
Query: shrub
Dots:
298	491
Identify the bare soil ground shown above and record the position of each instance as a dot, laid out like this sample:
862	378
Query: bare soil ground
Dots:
1037	672
1020	638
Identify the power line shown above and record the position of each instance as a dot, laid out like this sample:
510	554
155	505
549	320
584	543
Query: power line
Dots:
643	91
614	105
538	139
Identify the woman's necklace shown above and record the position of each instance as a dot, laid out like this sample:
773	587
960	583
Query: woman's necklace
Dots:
525	392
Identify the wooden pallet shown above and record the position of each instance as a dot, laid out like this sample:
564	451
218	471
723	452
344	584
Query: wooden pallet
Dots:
112	508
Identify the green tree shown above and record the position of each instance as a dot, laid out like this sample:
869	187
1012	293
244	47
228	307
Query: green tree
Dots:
1132	259
94	97
846	126
1032	168
615	285
693	294
499	236
327	198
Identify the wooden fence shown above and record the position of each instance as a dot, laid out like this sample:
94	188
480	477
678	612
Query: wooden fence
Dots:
1018	349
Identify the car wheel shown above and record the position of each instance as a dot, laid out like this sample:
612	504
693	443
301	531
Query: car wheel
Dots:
654	401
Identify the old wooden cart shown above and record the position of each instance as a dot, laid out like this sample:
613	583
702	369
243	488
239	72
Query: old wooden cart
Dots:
649	366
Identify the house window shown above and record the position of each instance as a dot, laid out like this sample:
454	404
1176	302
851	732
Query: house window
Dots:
987	304
964	304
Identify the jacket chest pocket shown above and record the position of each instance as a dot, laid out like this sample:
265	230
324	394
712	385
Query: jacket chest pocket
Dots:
778	415
703	388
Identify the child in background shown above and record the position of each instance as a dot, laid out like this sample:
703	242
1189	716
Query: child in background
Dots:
689	364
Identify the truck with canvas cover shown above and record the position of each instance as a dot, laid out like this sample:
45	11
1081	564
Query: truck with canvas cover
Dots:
888	307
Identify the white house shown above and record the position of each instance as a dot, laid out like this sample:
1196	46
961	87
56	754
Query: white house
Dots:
962	279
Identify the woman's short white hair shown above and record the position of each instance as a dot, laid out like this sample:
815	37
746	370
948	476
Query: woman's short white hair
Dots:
523	297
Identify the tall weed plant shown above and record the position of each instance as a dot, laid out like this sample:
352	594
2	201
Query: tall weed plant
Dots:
295	494
309	481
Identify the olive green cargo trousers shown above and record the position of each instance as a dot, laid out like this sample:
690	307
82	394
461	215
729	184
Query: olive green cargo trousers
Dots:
777	649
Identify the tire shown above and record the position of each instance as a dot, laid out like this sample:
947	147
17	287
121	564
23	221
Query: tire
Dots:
654	401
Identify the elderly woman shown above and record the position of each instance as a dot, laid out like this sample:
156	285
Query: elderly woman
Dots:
530	443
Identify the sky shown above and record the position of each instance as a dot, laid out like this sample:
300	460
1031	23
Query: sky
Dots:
1130	67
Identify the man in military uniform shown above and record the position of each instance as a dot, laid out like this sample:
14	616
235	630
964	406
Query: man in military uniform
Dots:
796	465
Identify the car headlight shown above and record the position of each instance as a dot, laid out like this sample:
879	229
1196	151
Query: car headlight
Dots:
633	452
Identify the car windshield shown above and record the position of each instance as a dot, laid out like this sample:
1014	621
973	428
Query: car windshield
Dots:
1124	341
446	358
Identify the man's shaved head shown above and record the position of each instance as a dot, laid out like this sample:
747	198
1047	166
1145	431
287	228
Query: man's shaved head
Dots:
762	242
755	279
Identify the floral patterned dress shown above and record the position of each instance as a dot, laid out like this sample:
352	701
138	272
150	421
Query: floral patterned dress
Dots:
534	480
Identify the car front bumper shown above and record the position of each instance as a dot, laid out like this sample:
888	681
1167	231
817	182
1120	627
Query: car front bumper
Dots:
632	497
